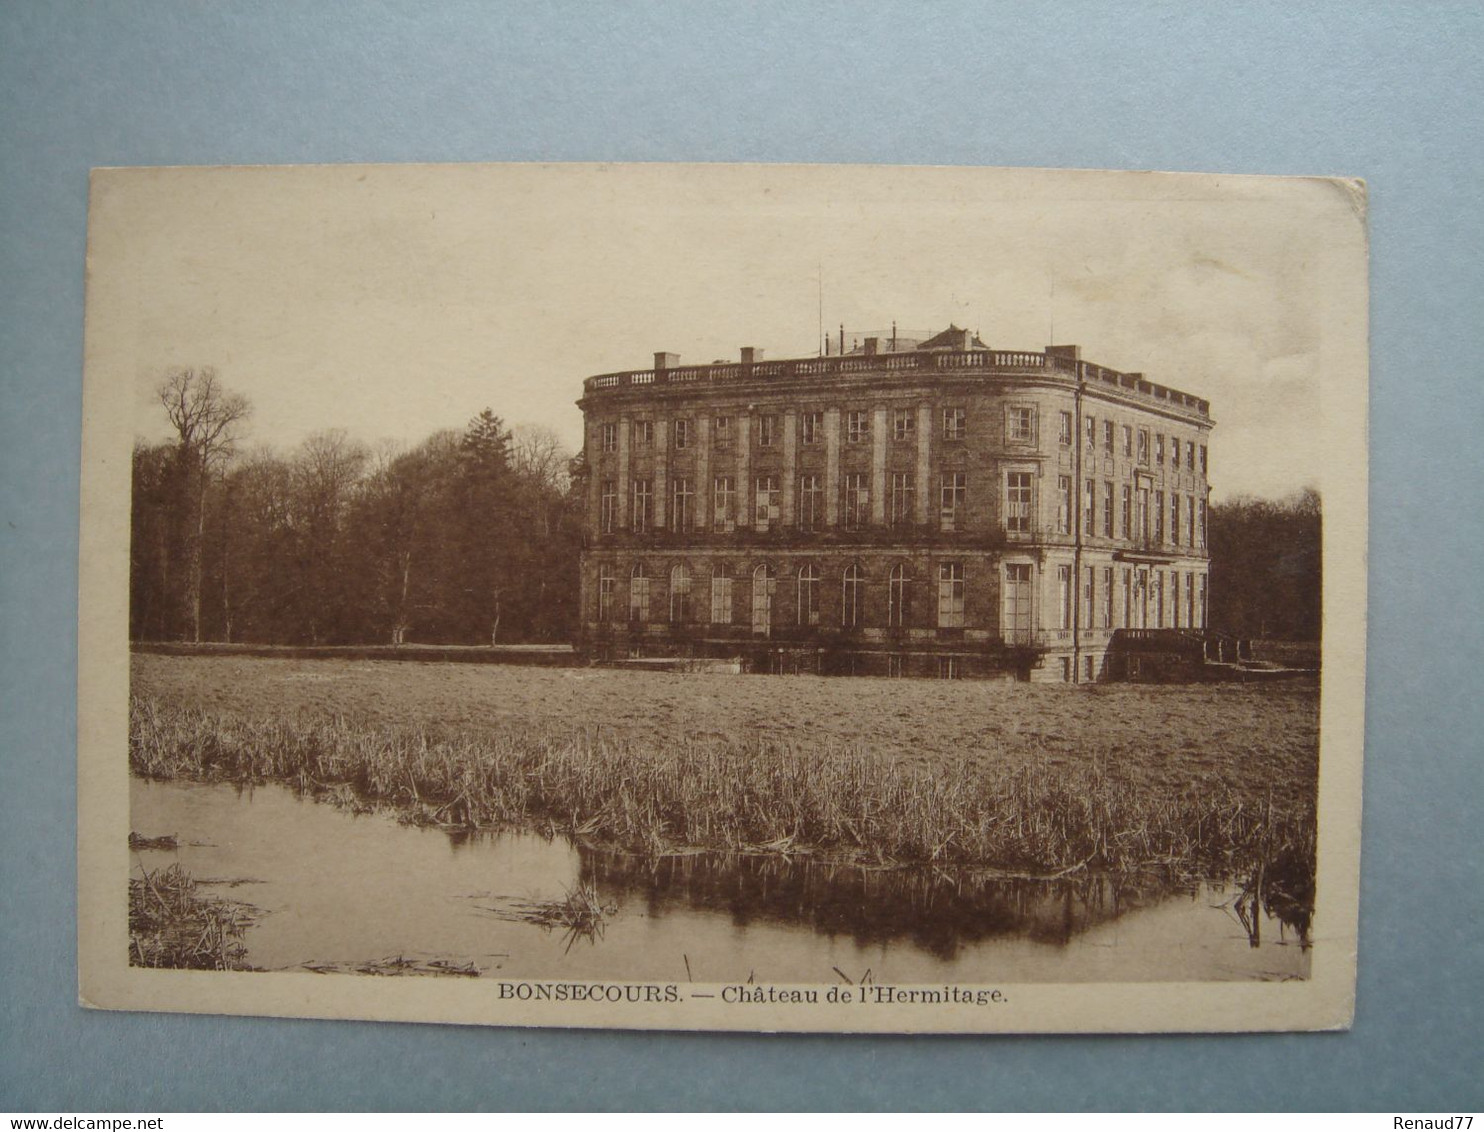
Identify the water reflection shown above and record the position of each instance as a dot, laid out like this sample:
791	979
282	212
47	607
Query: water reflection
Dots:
935	911
341	891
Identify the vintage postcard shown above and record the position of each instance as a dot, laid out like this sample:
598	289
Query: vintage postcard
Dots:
724	597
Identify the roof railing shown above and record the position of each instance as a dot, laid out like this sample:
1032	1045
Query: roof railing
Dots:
983	360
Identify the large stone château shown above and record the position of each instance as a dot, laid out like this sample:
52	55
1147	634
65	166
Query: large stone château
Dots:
934	508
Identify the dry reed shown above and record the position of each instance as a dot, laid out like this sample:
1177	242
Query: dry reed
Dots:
758	795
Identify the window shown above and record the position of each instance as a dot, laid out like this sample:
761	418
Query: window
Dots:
1200	603
679	594
721	433
809	595
950	667
721	595
1175	599
609	437
607	583
811	503
950	595
1159	516
1190	520
767	501
1107	597
1020	424
683	508
1089	507
902	495
1141	523
1159	449
1128	597
1018	502
1087	668
1063	597
1107	508
644	434
682	433
1201	525
952	489
1108	438
638	593
857	426
857	500
1174	518
1091	432
899	596
1174	452
811	427
607	507
1015	604
1157	598
764	583
1128	441
903	424
896	664
1064	430
1203	459
851	589
767	430
1089	593
643	499
1143	446
723	495
953	424
1190	600
1190	454
1128	511
1063	505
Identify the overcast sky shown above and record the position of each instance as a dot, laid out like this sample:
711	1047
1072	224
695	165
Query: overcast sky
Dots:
395	301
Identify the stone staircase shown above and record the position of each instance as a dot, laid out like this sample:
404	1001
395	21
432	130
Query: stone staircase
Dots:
1190	656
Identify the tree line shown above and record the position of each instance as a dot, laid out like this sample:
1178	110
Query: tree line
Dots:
469	537
1266	567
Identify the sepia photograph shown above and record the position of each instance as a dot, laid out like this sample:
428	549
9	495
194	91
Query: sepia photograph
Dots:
724	597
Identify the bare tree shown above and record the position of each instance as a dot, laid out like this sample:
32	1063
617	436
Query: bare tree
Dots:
538	453
206	419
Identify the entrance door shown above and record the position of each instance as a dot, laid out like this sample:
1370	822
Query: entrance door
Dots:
1015	616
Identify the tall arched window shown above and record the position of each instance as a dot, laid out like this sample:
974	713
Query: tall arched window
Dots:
809	595
899	596
638	593
850	596
764	582
607	582
951	595
679	594
721	594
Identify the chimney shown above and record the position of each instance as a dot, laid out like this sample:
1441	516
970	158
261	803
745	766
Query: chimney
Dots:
1070	353
965	339
751	354
664	361
872	347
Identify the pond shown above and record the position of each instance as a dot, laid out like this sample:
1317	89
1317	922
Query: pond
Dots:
339	890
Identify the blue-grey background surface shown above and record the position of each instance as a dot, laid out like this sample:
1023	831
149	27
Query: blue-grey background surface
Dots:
1382	91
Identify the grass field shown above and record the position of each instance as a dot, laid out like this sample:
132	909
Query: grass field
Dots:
1206	778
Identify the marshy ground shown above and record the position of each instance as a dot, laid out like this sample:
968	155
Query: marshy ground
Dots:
1013	776
909	778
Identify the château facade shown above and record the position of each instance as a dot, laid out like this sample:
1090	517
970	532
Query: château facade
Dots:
926	508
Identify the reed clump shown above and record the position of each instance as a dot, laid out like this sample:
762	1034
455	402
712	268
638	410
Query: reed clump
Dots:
752	794
173	924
